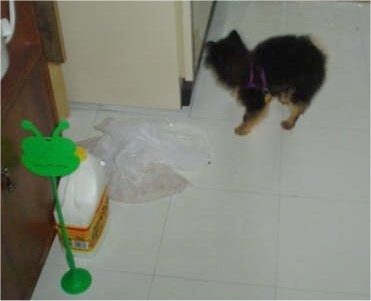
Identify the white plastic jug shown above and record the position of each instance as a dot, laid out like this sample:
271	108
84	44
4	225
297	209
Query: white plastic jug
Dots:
84	204
7	31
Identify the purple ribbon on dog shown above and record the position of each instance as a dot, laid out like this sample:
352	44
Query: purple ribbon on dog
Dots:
251	83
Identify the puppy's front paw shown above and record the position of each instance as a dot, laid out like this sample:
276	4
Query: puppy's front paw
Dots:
241	130
287	125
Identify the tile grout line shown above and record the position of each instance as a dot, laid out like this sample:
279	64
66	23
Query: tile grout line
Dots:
159	247
321	291
278	217
276	276
279	193
213	281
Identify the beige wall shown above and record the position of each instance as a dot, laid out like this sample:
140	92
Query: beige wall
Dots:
121	52
184	39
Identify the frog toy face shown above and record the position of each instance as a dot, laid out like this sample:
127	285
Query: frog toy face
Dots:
53	156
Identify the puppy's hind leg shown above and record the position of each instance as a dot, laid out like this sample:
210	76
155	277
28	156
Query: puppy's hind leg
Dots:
296	109
250	120
285	97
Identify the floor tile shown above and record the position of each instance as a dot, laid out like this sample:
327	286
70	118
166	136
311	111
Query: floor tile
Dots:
253	33
342	103
326	163
165	288
364	29
247	163
333	14
249	18
363	19
131	240
260	33
220	236
288	294
324	245
105	285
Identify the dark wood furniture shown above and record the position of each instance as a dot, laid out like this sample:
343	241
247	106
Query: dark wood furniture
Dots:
27	223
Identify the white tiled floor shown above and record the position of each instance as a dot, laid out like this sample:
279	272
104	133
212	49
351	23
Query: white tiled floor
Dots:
277	215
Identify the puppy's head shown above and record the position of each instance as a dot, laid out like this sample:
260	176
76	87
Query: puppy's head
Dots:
220	52
228	58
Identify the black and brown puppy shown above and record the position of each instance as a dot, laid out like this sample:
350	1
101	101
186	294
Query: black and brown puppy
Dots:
289	67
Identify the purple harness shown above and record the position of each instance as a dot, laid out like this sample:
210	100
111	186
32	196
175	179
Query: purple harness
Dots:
251	83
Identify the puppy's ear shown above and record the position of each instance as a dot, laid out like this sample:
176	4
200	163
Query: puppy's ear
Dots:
234	35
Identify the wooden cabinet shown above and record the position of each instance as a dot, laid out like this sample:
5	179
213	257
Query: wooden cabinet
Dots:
27	224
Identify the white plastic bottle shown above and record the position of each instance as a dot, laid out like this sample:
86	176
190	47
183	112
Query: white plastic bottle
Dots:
84	204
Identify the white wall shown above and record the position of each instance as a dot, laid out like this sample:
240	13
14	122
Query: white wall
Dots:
121	52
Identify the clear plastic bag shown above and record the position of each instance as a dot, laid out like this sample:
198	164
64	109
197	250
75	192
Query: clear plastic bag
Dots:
143	154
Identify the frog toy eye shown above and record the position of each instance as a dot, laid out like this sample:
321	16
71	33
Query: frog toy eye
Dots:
49	156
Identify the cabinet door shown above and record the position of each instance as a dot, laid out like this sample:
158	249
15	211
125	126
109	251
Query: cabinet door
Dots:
27	225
